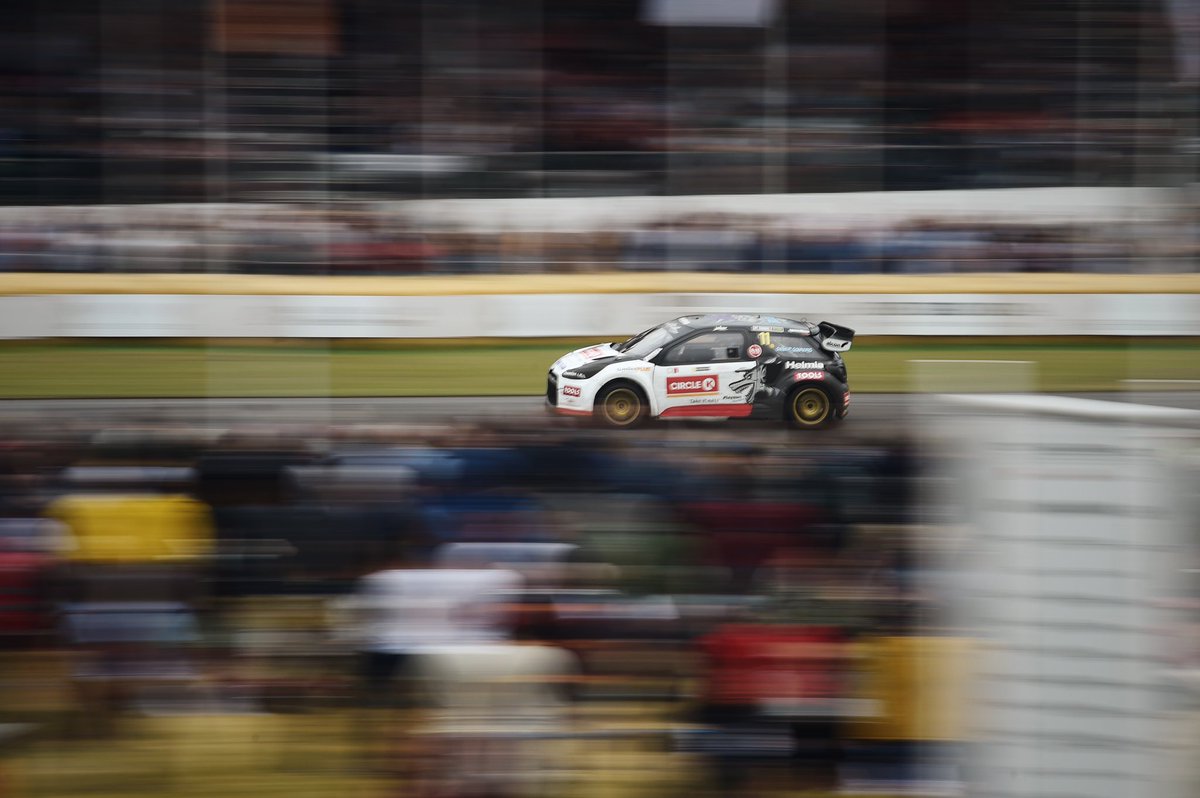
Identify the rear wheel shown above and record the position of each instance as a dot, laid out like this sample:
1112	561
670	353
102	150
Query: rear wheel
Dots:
620	406
809	407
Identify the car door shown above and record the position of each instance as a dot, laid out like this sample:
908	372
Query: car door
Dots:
709	374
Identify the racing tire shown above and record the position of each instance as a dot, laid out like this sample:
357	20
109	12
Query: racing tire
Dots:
809	406
620	406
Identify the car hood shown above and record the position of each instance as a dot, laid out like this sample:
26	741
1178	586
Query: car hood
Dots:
585	355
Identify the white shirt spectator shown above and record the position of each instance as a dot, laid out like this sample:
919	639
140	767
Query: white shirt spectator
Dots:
406	611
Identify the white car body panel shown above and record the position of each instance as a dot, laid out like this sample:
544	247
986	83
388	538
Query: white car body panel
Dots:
585	355
700	386
579	396
669	388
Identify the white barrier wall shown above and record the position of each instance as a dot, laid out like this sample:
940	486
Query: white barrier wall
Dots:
1048	205
1073	536
582	315
1053	205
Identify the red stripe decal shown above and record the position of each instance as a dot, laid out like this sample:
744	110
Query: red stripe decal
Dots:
568	411
721	411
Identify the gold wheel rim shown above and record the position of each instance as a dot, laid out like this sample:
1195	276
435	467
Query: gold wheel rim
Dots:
622	407
811	406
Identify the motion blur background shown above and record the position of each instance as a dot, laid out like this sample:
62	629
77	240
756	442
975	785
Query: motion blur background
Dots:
338	107
280	513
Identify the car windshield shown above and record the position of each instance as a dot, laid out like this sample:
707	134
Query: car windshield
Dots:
647	341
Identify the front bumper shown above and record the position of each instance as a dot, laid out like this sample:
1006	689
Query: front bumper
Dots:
552	405
554	409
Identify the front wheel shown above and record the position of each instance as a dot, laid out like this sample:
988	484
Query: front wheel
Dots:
620	406
809	408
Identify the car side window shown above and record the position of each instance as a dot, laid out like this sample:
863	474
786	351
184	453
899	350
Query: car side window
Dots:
714	347
788	346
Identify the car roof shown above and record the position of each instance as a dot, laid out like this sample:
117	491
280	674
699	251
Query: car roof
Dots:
747	320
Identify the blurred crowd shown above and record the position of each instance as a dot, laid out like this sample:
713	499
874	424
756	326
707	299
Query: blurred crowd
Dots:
290	109
368	240
236	100
478	591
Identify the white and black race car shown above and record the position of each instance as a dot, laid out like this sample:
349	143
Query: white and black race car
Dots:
712	366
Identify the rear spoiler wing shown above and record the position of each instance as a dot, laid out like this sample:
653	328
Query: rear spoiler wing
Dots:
835	338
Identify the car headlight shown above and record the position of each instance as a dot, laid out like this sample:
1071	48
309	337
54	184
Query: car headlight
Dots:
575	375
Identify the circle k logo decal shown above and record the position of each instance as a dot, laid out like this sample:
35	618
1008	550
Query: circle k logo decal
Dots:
691	385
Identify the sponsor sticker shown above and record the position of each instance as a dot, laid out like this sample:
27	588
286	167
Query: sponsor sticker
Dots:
572	390
808	375
755	350
763	328
786	348
592	352
684	386
804	364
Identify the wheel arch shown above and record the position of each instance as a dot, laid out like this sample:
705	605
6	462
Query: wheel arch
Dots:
624	379
621	384
830	395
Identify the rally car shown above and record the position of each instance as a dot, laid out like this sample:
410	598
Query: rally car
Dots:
716	366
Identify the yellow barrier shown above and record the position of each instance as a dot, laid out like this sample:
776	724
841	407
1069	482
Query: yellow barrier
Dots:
921	684
613	283
128	529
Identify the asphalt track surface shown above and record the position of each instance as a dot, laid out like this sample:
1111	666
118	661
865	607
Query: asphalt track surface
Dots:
871	414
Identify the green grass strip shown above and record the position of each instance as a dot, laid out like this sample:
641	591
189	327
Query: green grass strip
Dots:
86	369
